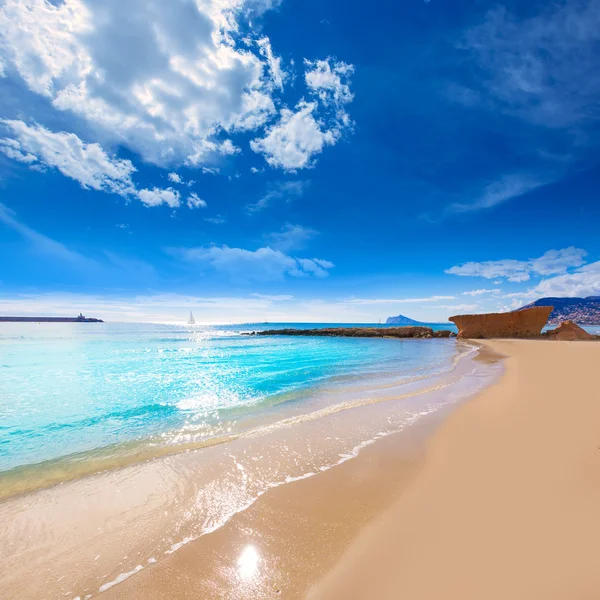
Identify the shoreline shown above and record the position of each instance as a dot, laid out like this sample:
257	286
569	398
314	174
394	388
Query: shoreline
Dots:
30	478
86	525
500	501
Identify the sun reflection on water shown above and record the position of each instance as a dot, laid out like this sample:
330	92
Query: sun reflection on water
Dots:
248	562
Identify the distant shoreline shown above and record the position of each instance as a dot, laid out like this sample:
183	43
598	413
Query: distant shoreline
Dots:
49	320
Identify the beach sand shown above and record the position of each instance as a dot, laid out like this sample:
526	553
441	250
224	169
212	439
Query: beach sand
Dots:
507	504
503	502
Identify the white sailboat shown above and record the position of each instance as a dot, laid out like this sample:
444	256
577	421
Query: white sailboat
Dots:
191	320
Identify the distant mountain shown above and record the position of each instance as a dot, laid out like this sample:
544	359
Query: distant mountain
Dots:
583	311
402	320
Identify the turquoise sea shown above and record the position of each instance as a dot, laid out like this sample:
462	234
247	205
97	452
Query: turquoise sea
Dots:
121	443
71	388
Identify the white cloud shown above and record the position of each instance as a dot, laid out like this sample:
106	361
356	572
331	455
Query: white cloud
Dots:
170	81
290	237
194	201
263	264
457	308
585	281
279	190
160	78
533	67
399	300
481	292
175	178
157	196
274	298
301	134
550	263
210	171
278	75
87	164
330	80
497	192
295	139
218	220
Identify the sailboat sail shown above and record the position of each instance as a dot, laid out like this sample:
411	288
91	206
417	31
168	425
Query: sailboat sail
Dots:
191	320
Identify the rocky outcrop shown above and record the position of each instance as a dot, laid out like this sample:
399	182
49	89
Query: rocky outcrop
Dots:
569	332
395	332
520	324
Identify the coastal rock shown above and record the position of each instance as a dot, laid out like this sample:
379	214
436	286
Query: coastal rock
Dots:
520	324
442	333
395	332
569	331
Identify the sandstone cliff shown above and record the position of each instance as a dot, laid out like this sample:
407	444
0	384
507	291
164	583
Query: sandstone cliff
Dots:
521	324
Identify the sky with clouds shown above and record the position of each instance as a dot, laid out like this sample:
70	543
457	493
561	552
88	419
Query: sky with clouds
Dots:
297	160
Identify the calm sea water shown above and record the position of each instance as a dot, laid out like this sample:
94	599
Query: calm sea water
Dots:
160	434
68	389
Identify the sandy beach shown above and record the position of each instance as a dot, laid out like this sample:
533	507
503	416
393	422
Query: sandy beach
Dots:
495	498
506	505
502	502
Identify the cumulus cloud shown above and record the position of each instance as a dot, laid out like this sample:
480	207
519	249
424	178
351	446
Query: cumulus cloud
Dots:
290	237
279	190
550	263
157	196
87	164
295	139
175	178
330	80
194	201
263	264
301	134
169	81
585	281
182	80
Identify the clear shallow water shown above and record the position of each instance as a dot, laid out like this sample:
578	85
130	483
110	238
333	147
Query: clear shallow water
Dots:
68	389
77	401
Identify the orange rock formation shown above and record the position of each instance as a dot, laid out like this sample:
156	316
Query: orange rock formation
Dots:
519	324
569	331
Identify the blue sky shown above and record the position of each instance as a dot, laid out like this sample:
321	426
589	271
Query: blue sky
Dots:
297	159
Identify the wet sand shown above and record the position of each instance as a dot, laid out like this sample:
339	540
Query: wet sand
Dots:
501	503
290	538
